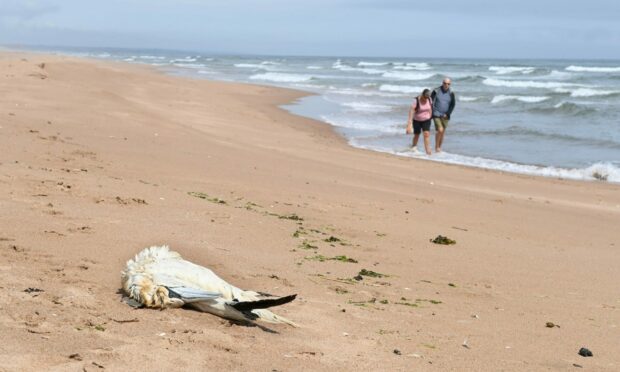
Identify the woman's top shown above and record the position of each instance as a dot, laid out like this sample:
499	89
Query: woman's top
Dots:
425	110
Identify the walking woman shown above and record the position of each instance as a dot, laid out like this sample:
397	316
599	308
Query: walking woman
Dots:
419	120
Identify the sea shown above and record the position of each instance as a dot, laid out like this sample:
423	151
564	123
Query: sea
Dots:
550	118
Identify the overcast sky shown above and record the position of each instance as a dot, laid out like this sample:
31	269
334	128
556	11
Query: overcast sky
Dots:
402	28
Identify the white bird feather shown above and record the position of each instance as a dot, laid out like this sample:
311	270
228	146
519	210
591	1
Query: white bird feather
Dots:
160	278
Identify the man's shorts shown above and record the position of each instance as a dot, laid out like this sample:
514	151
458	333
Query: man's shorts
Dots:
419	126
440	123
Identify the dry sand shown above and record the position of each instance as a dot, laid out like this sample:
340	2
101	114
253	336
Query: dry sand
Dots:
100	160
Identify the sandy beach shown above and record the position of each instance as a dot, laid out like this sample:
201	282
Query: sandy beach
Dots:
100	160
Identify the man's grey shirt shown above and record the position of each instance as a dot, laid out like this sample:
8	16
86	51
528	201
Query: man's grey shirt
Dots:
441	103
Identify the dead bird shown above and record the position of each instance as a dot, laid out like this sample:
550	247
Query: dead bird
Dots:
160	278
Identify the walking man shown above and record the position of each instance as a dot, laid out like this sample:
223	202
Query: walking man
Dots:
443	103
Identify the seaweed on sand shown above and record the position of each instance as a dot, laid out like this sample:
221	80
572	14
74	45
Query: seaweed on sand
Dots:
444	240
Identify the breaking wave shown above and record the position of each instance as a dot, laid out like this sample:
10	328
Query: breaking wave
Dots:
505	70
592	69
527	99
282	77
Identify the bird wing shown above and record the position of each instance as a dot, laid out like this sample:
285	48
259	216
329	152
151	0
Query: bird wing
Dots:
183	290
189	295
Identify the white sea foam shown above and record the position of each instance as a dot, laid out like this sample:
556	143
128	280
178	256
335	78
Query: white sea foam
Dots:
528	99
466	98
408	75
421	66
504	70
528	84
314	67
373	63
602	171
357	69
361	93
585	92
189	65
248	65
282	77
401	89
592	69
272	63
367	107
151	57
186	59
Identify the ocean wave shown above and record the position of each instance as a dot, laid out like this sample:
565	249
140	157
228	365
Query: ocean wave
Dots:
149	57
601	171
412	66
367	107
528	84
282	77
183	60
466	98
566	108
555	74
529	132
347	68
592	69
314	67
466	78
401	89
361	93
190	65
588	92
505	70
364	64
526	99
408	75
248	65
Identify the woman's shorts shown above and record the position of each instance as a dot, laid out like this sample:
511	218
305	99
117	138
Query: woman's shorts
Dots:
419	126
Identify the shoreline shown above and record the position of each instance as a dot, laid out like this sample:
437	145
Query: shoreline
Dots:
595	170
102	159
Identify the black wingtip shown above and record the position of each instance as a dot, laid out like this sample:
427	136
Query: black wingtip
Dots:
262	304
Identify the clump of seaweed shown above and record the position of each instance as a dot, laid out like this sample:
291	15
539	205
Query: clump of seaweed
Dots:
370	273
300	231
321	258
250	206
306	245
406	304
202	195
332	239
440	239
292	217
344	259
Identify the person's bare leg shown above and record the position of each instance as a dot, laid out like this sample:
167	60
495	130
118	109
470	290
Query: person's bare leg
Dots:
438	139
443	135
415	139
427	142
